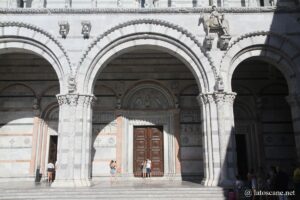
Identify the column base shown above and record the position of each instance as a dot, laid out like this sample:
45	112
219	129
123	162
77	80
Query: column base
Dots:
72	183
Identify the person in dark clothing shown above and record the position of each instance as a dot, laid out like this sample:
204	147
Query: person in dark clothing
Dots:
281	183
272	179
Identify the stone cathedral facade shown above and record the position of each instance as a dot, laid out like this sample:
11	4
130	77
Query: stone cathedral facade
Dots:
206	89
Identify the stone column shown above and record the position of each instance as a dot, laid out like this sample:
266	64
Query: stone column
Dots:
211	151
74	140
224	101
294	101
218	140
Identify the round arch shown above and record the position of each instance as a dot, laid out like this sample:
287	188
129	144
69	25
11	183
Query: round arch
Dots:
265	46
26	38
150	34
19	84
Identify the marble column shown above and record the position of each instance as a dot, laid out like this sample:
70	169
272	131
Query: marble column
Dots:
224	101
74	140
218	138
294	101
211	147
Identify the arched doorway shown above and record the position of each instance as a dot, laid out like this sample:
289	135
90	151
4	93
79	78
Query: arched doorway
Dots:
263	121
141	90
24	96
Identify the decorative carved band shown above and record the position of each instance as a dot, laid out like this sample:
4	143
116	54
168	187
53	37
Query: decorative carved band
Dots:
75	99
217	97
282	9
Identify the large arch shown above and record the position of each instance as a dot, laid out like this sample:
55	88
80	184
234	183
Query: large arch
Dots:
155	34
26	38
266	46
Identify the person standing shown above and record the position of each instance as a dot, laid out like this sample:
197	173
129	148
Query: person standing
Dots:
50	170
113	169
143	166
148	168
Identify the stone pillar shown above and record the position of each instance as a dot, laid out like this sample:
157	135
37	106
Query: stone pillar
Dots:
211	151
224	101
218	140
294	101
74	140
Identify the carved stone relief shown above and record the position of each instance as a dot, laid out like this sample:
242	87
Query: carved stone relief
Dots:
148	97
215	25
86	29
64	29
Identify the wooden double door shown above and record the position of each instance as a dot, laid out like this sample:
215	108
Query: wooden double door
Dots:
148	144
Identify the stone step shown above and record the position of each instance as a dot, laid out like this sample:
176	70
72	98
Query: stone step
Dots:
195	190
109	193
132	196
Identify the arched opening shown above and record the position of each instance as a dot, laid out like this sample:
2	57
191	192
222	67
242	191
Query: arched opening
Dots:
28	85
264	128
147	108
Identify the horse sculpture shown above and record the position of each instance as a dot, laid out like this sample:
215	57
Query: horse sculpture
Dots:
215	23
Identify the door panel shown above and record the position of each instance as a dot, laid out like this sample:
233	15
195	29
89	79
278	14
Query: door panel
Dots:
148	143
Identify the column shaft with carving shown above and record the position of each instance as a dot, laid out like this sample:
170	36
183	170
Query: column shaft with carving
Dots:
294	101
74	140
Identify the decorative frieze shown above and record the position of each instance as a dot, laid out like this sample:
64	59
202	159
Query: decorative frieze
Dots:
94	10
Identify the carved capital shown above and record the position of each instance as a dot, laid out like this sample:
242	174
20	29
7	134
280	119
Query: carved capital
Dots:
217	97
229	97
75	99
62	99
72	99
224	97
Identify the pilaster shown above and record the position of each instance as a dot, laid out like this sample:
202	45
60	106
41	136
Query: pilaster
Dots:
74	140
294	101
